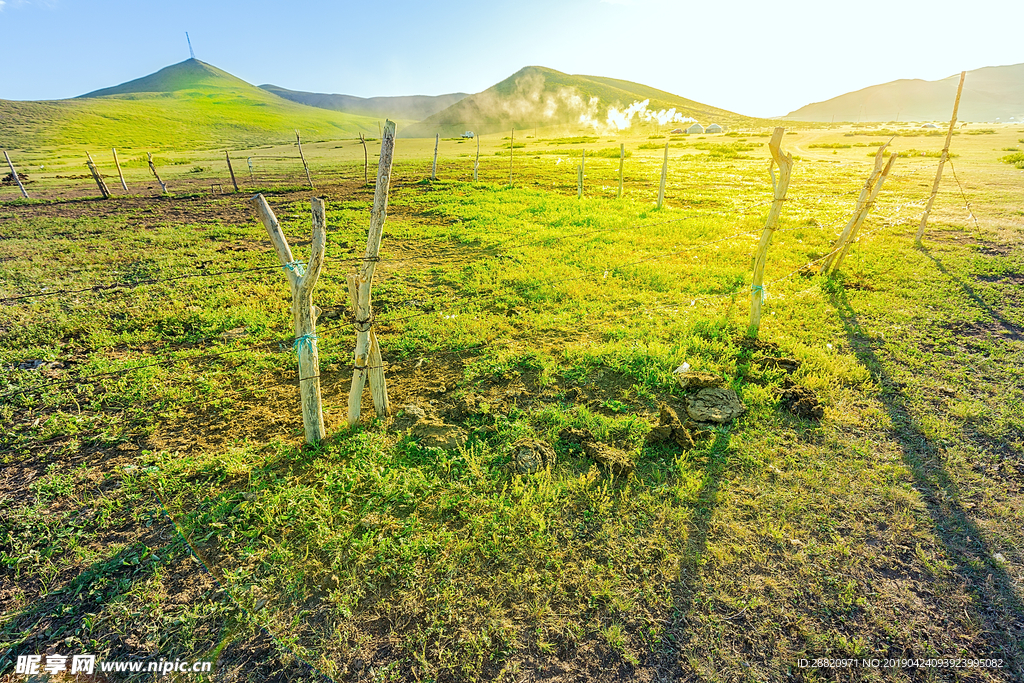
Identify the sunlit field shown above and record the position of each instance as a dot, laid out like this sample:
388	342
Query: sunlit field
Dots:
156	494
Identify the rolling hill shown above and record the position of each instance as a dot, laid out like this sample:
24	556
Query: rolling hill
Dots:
990	93
538	96
188	105
410	108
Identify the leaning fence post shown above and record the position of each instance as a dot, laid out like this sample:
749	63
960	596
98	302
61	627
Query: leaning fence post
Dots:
97	177
942	161
368	362
511	151
366	160
785	163
864	211
119	173
227	157
622	160
476	164
152	168
664	173
302	156
14	174
580	174
301	280
862	200
433	169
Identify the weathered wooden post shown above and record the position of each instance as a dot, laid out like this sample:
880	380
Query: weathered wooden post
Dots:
119	173
433	169
942	161
622	160
14	174
152	168
366	160
511	148
227	157
476	164
252	174
862	200
864	211
785	163
97	177
579	182
368	362
664	174
302	156
301	280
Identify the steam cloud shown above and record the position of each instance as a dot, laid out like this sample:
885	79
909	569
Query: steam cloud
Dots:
529	100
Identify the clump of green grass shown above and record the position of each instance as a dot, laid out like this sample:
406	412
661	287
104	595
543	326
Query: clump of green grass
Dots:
1014	159
576	140
829	145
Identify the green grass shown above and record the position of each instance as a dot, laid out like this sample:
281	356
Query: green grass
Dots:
520	311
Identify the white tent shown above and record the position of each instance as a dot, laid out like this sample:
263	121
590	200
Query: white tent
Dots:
695	129
713	128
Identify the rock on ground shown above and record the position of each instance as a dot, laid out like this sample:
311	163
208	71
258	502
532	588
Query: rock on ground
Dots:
714	405
532	455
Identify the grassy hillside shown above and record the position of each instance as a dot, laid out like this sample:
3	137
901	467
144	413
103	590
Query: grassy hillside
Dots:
191	105
411	107
990	94
537	96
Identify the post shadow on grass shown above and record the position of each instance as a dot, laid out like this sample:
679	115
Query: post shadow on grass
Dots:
962	537
666	659
1015	331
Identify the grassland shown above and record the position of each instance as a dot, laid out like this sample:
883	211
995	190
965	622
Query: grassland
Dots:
169	508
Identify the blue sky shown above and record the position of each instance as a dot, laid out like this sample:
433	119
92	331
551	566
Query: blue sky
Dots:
757	58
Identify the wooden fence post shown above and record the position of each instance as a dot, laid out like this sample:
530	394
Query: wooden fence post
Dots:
97	177
862	200
785	163
582	174
622	160
864	211
152	168
942	161
664	173
227	158
301	280
252	175
511	151
476	164
14	174
368	362
366	160
433	169
119	173
302	156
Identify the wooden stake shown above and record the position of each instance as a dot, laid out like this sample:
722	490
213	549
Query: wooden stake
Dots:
664	173
14	173
862	200
864	211
785	163
227	157
511	148
302	156
476	164
366	161
119	173
622	160
97	177
301	281
152	168
582	172
942	161
433	169
368	362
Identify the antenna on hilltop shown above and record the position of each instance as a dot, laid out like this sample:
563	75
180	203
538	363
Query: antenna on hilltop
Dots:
190	52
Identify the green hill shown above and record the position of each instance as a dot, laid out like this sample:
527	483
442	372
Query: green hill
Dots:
537	96
185	106
990	93
409	107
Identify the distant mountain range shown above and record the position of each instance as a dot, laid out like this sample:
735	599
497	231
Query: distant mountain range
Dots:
991	93
409	107
195	105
